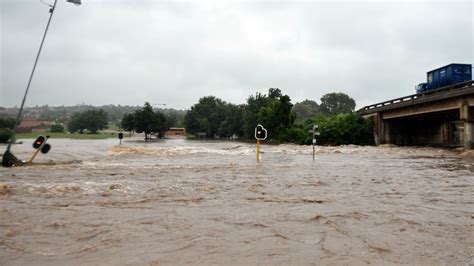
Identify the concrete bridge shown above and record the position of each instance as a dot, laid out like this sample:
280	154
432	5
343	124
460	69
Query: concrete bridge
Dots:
441	117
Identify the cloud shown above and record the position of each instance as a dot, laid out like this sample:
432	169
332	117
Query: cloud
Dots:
174	52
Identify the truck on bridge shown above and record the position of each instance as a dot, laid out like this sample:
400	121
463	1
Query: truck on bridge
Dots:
445	76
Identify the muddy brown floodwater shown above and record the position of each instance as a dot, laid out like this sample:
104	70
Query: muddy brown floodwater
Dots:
210	203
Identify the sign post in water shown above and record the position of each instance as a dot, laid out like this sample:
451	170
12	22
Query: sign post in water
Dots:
315	133
120	136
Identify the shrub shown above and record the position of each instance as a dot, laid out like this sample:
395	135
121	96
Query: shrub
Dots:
343	129
297	135
7	122
5	135
57	128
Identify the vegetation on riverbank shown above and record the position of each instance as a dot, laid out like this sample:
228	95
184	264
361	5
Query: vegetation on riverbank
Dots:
337	123
211	117
58	135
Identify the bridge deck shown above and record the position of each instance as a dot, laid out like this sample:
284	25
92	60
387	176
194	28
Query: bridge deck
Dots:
460	89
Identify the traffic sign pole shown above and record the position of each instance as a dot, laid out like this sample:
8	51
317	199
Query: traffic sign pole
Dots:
120	136
39	148
315	133
258	150
34	155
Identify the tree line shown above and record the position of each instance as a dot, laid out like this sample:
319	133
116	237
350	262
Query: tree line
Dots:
284	121
215	118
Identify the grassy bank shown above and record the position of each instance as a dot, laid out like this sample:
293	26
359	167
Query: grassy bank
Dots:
65	135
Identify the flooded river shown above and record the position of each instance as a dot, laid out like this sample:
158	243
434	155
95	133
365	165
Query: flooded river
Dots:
196	202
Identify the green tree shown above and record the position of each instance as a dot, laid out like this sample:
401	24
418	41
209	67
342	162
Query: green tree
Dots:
171	120
232	123
336	103
277	117
5	135
305	110
272	111
76	123
274	93
57	128
145	120
128	122
206	116
341	129
6	126
250	115
7	122
92	120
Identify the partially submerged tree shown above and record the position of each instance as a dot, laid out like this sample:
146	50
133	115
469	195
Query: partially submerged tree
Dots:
57	128
145	120
7	122
206	116
92	120
272	111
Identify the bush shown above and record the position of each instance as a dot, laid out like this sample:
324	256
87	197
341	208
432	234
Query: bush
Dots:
92	120
343	129
7	122
297	135
5	135
57	128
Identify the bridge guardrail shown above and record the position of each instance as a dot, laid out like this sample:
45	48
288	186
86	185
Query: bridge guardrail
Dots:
417	96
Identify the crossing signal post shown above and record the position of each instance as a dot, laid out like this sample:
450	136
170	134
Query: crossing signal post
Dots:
260	134
40	145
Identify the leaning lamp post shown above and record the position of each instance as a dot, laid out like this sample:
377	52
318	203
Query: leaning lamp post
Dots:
8	158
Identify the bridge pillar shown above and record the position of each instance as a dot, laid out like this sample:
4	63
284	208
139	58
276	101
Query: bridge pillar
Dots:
467	116
378	129
468	135
381	130
387	132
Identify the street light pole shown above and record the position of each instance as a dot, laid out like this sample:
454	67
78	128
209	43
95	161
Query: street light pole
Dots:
8	158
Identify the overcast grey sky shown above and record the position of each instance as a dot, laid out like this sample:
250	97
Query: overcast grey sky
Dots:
174	52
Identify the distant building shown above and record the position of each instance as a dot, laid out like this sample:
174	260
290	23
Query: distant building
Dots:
175	132
28	126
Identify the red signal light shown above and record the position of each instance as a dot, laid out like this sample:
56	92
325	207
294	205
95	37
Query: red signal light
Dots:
38	142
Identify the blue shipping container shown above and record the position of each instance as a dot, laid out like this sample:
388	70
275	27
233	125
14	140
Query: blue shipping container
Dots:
448	75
